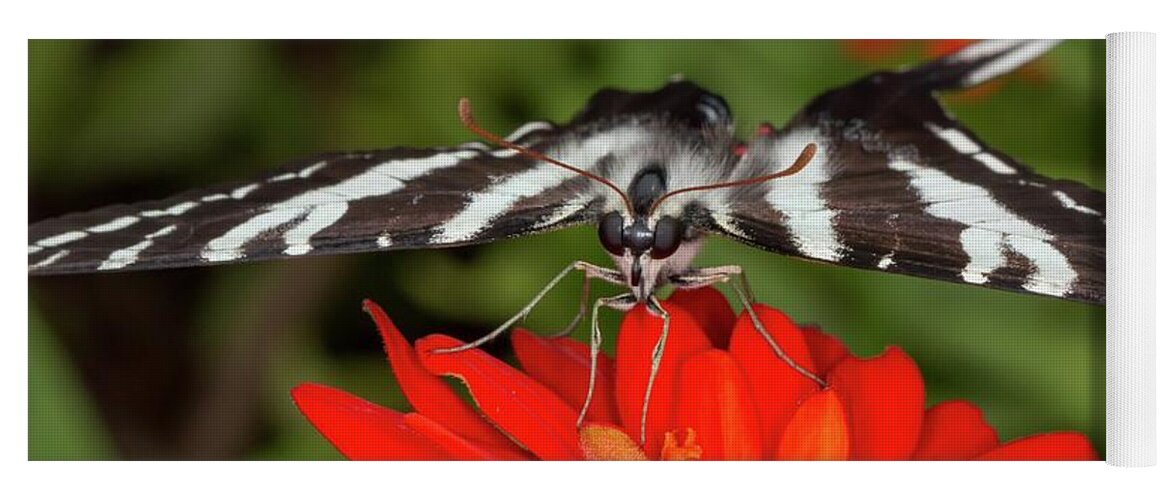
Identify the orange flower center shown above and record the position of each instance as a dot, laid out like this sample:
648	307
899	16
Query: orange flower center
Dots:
606	442
688	450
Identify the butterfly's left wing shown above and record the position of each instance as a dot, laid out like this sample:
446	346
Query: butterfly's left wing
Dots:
898	185
328	204
376	200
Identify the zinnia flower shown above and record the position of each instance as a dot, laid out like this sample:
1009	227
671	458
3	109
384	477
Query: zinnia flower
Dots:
721	394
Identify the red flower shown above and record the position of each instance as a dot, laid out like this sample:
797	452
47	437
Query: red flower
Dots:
721	394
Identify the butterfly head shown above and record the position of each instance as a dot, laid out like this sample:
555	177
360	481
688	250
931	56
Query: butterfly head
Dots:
642	249
651	241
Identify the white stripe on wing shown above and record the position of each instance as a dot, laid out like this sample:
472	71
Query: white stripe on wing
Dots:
991	229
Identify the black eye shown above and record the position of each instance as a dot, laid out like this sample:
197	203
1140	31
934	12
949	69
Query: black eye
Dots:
668	236
610	233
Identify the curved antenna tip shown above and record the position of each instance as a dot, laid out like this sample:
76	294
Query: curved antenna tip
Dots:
465	110
805	157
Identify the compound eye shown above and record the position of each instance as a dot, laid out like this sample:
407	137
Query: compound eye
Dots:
668	236
610	233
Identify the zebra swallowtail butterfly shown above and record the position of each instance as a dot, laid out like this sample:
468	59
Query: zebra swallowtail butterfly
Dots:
873	175
894	183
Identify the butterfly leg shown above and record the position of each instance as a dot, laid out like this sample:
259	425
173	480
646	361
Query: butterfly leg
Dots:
656	358
619	303
699	278
590	270
624	303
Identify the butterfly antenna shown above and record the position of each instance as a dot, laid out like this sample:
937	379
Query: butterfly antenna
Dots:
465	116
802	160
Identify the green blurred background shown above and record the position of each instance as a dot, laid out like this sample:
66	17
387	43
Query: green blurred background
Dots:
198	363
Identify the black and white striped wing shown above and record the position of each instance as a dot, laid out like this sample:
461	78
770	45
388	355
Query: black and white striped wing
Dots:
899	186
379	200
333	203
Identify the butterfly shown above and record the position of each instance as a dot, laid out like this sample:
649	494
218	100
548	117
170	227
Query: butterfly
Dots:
872	175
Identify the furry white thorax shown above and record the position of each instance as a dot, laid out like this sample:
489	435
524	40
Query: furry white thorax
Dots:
686	161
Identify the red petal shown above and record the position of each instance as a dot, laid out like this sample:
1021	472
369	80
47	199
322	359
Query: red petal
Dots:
362	430
637	336
955	430
1052	446
526	410
454	445
711	310
427	393
563	365
714	400
776	387
827	350
883	397
817	431
606	442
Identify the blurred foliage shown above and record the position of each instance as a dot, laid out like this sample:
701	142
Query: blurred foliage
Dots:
108	120
62	424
